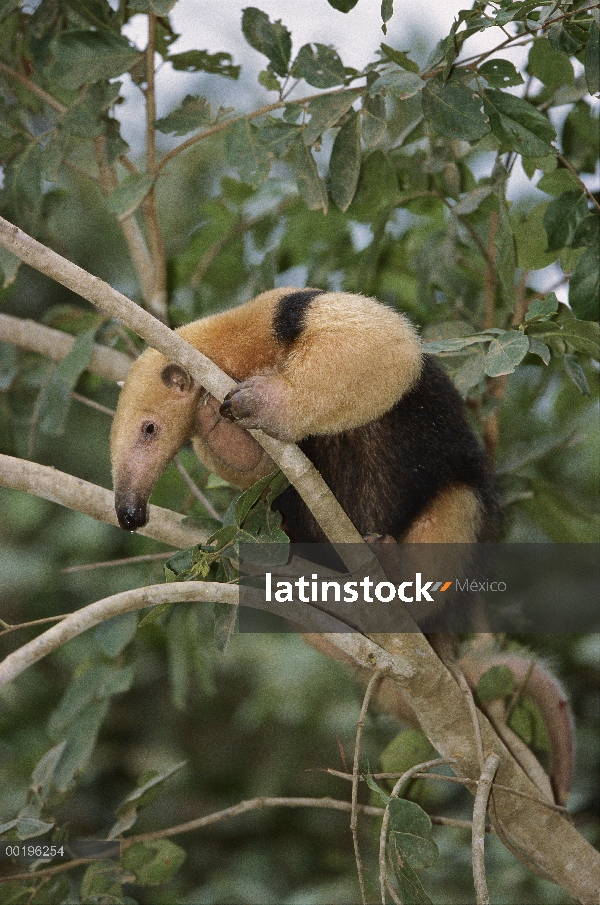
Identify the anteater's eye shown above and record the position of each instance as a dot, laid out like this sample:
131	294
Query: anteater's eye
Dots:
149	430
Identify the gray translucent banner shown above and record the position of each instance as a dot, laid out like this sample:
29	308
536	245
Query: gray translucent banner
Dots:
518	588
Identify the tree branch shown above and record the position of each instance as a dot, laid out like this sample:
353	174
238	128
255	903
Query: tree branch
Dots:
300	471
134	238
157	304
478	840
56	345
97	502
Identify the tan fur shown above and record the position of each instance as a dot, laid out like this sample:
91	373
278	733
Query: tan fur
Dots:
324	384
346	339
453	517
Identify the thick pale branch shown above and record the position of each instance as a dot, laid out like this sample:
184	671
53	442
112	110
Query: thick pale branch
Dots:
362	651
97	502
56	345
300	471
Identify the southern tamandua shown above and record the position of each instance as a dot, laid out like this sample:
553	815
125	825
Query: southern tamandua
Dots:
344	377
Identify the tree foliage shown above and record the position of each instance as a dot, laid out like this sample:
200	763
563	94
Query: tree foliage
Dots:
396	181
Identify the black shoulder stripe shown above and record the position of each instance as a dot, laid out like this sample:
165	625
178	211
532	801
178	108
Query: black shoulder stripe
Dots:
290	314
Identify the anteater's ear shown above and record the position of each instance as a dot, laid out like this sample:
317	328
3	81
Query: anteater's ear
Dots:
176	377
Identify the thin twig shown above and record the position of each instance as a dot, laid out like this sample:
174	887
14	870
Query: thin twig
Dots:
134	238
92	404
157	302
195	490
35	89
6	628
262	111
126	561
242	807
478	843
574	172
373	682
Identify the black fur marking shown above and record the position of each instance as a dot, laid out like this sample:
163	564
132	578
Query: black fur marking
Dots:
290	314
385	473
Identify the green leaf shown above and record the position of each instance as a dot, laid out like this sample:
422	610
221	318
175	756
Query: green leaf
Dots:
576	373
541	309
399	82
375	788
245	151
456	343
454	110
407	749
584	288
113	636
387	11
530	239
319	65
581	336
192	113
96	683
580	137
411	829
269	80
270	38
592	60
81	57
101	884
505	353
158	7
325	111
411	887
278	136
25	827
567	37
470	373
558	181
400	58
54	401
550	66
377	186
344	166
246	500
470	201
496	682
220	63
536	347
374	122
500	73
83	118
129	194
153	863
145	793
518	124
563	218
343	6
